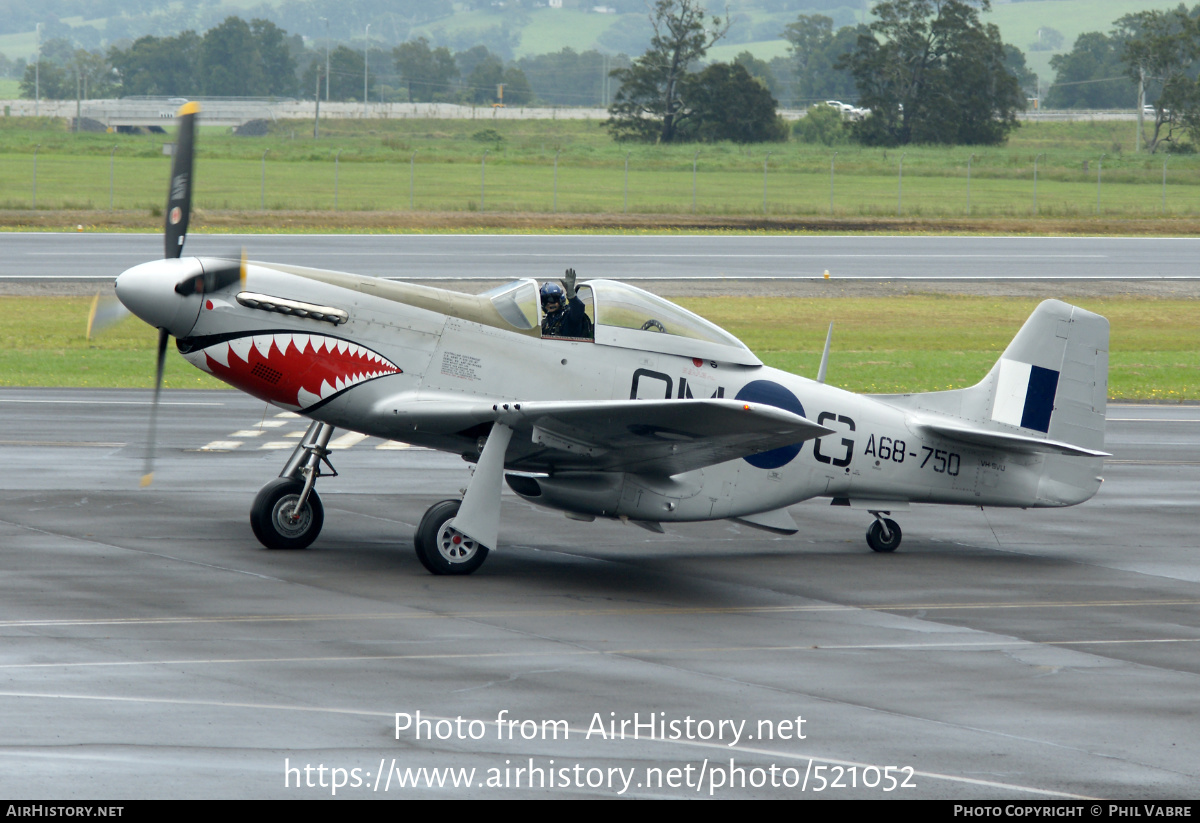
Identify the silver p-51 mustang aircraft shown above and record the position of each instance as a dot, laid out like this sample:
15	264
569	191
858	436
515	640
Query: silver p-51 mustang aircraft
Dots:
658	416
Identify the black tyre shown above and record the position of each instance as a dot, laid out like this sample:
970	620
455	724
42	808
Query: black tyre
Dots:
440	548
274	520
878	541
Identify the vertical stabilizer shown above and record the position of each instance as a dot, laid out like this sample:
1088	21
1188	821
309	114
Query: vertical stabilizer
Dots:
1053	377
1051	381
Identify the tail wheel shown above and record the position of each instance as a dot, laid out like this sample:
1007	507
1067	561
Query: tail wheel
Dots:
441	548
884	535
276	522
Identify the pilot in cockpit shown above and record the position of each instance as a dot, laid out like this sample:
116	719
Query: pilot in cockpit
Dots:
564	311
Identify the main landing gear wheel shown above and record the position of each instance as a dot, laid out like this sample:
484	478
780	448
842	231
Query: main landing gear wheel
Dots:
440	548
274	518
884	535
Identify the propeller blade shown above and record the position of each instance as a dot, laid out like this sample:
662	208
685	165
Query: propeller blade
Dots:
148	474
106	312
179	195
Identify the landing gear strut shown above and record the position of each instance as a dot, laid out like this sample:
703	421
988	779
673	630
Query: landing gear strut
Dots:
884	534
287	512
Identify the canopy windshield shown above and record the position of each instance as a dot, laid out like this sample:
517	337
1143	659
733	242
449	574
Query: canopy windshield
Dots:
517	302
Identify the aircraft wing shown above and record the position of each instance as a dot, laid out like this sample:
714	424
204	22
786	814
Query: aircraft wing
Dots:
1003	440
662	437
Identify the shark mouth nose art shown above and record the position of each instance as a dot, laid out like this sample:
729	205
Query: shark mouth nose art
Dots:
296	370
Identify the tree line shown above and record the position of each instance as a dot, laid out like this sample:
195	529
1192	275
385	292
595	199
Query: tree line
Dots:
924	71
928	71
1150	59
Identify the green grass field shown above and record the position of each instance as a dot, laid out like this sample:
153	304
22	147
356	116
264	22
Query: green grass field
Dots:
917	343
83	171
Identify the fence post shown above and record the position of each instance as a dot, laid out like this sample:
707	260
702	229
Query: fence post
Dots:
482	178
1035	159
412	177
695	160
969	159
831	162
111	157
765	161
626	210
900	187
262	192
1164	187
35	151
336	160
555	206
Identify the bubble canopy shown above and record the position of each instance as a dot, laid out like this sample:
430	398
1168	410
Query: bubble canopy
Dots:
630	318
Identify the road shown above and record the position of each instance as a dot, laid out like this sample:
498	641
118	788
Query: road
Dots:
153	649
44	256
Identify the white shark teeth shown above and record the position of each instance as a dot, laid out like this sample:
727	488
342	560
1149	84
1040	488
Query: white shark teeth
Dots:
219	353
241	347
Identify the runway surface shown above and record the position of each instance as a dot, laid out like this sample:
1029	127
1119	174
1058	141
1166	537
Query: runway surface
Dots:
153	649
42	256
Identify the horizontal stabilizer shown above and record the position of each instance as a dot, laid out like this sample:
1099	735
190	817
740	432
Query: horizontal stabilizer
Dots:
1004	441
778	521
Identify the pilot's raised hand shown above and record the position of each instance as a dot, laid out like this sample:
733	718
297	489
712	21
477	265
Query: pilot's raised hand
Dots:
568	284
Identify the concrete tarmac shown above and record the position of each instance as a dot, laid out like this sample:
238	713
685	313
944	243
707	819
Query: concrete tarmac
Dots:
153	649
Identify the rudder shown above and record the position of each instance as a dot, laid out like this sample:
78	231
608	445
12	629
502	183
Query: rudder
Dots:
1053	377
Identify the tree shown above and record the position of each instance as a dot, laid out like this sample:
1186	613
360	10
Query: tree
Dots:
822	124
568	78
516	87
815	49
1162	51
724	102
648	104
1091	75
931	72
1014	61
428	73
229	61
159	65
485	75
95	74
760	70
275	57
47	80
346	74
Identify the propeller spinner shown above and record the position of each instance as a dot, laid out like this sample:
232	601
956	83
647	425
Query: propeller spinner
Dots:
166	293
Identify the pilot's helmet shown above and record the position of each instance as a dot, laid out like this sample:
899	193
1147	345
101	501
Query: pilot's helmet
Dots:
553	291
